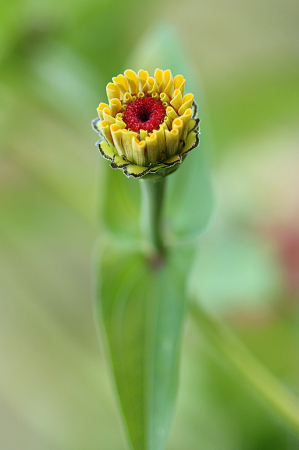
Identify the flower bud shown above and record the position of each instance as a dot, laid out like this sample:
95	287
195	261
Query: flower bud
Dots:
149	125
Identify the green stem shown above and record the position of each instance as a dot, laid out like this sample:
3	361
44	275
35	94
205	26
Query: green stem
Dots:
280	401
152	194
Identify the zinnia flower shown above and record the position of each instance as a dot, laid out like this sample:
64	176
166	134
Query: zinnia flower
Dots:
149	125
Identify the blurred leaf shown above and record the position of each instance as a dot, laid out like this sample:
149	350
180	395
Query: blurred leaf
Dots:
248	277
190	201
161	47
141	310
120	202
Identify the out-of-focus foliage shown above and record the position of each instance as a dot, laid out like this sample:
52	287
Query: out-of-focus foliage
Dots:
141	311
56	59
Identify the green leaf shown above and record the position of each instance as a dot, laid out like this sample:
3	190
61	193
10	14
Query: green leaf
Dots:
140	308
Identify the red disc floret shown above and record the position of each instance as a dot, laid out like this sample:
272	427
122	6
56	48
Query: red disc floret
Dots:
144	113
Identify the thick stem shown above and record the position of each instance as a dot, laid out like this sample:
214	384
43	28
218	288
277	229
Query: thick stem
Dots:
152	194
279	400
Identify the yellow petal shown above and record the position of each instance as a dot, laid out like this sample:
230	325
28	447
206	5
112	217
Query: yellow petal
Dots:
143	134
186	119
115	106
187	103
161	143
143	76
179	83
107	115
178	124
127	98
171	113
164	97
151	146
105	130
177	100
156	145
127	137
163	126
168	83
132	80
139	152
112	91
100	110
152	85
117	138
168	122
159	76
122	83
120	122
172	141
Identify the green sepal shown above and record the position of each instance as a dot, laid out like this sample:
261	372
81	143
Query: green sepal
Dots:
193	125
118	162
191	142
106	150
194	109
154	171
95	125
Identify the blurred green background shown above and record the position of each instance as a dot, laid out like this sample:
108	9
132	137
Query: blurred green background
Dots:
56	59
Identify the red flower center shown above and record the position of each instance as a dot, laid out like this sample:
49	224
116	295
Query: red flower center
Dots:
145	113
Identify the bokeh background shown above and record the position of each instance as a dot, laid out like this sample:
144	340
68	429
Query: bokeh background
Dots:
56	59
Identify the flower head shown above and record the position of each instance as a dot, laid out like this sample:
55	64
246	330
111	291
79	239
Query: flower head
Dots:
149	125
